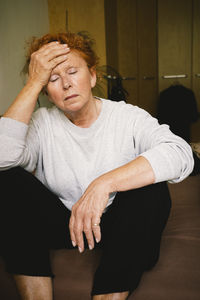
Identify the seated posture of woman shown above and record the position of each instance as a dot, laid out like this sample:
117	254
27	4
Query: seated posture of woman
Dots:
100	171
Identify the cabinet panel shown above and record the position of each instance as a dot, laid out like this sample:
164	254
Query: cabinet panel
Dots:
136	48
147	54
111	33
174	41
121	42
127	46
196	65
196	50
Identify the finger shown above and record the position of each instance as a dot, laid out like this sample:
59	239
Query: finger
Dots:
55	56
53	51
71	230
51	46
96	228
57	52
58	60
51	57
78	230
88	233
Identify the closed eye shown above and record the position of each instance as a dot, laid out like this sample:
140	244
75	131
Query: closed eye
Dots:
72	71
53	78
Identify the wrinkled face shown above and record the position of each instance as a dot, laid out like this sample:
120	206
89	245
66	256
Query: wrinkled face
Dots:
70	84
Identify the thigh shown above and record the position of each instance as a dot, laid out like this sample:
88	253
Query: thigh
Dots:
31	213
140	213
131	233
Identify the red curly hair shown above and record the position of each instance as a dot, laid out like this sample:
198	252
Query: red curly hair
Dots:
80	42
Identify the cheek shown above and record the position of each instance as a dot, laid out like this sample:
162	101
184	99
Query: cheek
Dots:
84	83
53	92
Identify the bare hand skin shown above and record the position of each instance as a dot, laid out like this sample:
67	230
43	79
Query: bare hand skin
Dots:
45	60
87	212
41	65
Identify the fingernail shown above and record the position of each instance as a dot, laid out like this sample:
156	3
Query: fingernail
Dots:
90	247
97	240
74	244
80	250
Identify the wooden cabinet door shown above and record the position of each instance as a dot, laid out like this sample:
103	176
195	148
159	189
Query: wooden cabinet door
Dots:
196	50
147	54
174	42
127	46
196	65
121	43
134	33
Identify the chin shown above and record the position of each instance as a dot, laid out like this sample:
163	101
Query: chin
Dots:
74	107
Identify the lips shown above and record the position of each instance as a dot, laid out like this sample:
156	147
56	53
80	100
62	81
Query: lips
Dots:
71	96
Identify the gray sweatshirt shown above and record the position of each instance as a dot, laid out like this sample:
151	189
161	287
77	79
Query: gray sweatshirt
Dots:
67	158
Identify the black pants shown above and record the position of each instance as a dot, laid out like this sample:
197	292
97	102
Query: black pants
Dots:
33	220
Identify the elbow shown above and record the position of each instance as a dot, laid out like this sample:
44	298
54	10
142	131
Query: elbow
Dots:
10	158
185	164
172	161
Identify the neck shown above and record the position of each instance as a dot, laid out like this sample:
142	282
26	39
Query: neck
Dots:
87	115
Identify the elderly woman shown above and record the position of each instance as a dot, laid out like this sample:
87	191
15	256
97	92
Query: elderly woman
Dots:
100	171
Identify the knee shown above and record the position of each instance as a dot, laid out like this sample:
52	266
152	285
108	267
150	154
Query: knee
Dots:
15	182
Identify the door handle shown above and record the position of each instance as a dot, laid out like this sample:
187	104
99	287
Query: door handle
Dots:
174	76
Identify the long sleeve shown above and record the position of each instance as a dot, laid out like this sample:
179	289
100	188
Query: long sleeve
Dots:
169	155
19	145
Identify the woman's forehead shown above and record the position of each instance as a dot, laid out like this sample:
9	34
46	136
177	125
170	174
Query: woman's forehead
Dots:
74	59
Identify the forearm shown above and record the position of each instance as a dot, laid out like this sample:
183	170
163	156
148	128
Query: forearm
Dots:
88	210
43	61
23	106
135	174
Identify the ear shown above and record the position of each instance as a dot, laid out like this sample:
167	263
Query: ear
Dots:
93	77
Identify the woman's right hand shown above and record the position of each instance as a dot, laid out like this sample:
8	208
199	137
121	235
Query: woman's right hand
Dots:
44	60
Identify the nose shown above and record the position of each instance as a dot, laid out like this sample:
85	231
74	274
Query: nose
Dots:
66	84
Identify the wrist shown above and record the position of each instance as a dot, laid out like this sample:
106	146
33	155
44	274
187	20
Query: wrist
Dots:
108	183
34	85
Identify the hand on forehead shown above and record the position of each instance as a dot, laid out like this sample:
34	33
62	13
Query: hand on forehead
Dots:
74	60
